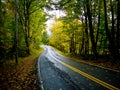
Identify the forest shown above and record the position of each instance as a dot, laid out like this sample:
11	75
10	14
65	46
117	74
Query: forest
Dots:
90	28
22	24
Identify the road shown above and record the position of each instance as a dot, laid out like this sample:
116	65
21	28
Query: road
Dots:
57	72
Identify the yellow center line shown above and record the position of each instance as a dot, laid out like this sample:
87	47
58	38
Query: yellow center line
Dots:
111	87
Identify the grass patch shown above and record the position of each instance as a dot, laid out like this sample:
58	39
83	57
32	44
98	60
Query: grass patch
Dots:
34	54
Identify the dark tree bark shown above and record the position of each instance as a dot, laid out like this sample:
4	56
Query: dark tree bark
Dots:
16	31
27	24
72	48
86	36
91	30
98	26
113	40
82	46
109	35
118	29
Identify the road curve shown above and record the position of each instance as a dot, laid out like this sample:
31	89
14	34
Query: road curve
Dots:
57	72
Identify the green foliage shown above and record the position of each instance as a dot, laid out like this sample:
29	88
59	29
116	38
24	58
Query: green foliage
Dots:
90	27
31	24
6	32
99	24
37	27
62	34
45	38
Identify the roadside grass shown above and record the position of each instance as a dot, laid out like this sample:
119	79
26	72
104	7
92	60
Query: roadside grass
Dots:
34	54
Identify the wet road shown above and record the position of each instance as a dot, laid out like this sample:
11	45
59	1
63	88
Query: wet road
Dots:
57	72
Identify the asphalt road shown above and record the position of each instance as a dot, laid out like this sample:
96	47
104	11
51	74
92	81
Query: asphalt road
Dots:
57	72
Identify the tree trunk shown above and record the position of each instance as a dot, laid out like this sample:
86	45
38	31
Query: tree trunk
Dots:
91	30
82	46
27	26
72	49
110	39
98	26
118	29
86	36
16	31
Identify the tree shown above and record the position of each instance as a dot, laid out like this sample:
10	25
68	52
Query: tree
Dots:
45	38
29	22
91	28
118	29
100	22
16	30
26	9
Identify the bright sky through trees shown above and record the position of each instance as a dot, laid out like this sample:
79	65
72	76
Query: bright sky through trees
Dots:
54	14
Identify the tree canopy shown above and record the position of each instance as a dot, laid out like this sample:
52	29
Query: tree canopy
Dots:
89	27
99	30
28	18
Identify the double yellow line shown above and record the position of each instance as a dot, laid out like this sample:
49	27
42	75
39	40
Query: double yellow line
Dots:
110	87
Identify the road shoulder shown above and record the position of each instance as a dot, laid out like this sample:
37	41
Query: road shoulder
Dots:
102	63
21	76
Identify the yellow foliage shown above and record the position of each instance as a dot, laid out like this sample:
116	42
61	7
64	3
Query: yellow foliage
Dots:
62	33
